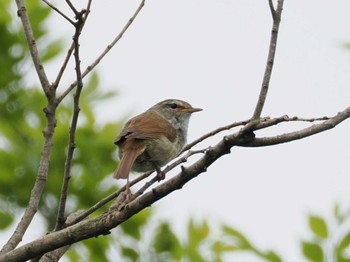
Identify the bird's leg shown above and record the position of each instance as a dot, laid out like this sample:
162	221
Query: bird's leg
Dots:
128	191
160	173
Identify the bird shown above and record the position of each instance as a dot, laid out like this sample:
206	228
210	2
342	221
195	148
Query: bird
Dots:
153	138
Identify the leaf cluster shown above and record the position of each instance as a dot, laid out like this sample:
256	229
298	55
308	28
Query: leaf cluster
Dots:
329	241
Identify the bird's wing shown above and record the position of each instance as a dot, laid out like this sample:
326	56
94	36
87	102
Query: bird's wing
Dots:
147	125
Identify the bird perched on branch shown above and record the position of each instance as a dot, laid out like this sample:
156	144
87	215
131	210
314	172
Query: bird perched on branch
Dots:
152	139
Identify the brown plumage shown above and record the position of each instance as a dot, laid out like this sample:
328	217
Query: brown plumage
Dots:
152	139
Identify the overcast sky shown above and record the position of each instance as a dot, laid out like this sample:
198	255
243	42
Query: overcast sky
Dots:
213	54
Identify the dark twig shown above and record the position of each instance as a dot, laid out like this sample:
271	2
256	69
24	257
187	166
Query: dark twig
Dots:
70	51
104	53
272	8
67	172
22	13
59	12
270	59
214	132
98	205
155	179
72	7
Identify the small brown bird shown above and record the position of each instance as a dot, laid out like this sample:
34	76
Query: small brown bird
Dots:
152	139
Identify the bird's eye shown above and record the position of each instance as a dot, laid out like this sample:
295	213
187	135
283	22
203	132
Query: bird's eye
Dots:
173	105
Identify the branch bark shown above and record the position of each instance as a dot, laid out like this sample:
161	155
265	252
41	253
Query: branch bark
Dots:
102	224
50	111
276	15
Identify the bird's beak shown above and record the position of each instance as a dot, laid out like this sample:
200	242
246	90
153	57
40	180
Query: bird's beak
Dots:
190	110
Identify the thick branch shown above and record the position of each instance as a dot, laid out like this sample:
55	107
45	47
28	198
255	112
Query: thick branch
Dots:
102	224
50	112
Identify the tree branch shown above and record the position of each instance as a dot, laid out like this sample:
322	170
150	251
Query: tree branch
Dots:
312	130
276	15
45	83
102	224
104	53
70	50
48	132
67	172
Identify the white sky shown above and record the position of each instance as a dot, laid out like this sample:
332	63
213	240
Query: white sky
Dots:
212	54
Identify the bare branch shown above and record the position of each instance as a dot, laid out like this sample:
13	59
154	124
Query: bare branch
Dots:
272	8
22	13
214	132
75	11
102	224
67	172
70	50
270	59
104	53
312	130
59	12
104	201
50	110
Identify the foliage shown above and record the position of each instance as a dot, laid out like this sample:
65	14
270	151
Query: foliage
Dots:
324	246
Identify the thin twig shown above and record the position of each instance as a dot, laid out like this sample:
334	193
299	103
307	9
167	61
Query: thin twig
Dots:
104	201
70	51
272	8
22	13
85	213
59	12
104	53
270	59
155	179
63	67
67	172
214	132
75	11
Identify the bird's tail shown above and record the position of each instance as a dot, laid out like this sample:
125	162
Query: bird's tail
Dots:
126	163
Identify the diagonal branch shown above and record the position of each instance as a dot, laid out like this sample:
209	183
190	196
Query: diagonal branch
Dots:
45	83
276	15
101	225
59	12
104	53
71	48
48	132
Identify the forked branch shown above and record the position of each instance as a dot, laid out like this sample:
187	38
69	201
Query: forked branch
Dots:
276	15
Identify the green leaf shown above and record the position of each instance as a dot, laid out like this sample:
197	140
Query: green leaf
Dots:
51	51
130	253
219	247
197	233
272	256
242	241
6	219
342	247
312	251
166	241
133	226
318	226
